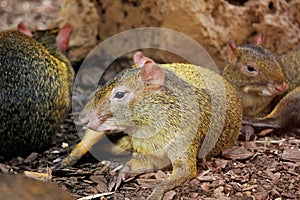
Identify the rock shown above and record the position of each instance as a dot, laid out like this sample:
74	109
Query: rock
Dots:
211	23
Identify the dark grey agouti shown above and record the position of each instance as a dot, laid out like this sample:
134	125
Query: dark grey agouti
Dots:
35	86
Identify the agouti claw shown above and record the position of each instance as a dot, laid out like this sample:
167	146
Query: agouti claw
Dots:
117	180
112	183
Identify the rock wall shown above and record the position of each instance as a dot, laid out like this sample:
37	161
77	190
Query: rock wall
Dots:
210	22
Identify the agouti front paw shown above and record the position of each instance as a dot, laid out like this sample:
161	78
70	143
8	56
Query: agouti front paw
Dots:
66	162
117	180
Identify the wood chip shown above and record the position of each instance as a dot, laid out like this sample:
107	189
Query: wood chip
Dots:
169	195
222	163
237	153
102	186
261	195
205	186
4	168
31	157
291	155
148	183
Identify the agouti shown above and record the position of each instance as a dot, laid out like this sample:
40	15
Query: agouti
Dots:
172	113
18	187
268	84
36	81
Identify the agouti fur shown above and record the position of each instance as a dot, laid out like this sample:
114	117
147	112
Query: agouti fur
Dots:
169	112
36	81
18	187
268	84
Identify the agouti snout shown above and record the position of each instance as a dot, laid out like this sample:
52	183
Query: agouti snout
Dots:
170	112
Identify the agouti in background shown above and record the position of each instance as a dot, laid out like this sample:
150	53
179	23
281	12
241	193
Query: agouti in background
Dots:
35	81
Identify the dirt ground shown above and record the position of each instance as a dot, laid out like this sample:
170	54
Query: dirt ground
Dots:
265	167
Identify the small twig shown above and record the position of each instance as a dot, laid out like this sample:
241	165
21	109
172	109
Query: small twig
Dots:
271	141
38	176
116	169
294	141
94	196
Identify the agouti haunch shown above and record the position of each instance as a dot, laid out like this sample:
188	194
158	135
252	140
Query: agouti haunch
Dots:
268	84
172	113
35	87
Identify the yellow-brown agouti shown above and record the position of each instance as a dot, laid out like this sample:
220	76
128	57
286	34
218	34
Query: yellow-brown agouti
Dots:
268	84
35	87
18	187
172	113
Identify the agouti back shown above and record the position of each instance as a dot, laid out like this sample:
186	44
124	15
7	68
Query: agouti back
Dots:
35	87
268	84
170	111
17	187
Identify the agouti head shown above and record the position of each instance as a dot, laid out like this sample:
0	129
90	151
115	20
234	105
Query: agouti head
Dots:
133	99
254	72
253	69
55	40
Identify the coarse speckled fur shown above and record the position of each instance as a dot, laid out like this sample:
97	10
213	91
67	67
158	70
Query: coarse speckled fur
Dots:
168	121
275	111
35	87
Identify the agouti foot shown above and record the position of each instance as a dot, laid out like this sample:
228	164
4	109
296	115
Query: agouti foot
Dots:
117	180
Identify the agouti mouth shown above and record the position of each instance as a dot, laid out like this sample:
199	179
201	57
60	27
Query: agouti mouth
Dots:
267	90
97	122
277	89
103	118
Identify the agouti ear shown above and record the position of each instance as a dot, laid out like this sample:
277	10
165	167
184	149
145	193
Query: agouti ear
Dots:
63	36
151	73
139	60
260	39
22	28
232	50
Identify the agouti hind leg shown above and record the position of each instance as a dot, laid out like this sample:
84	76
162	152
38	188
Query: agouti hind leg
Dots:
286	114
184	169
139	163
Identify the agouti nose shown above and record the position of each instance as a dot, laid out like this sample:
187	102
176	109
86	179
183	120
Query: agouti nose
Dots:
281	88
277	89
89	119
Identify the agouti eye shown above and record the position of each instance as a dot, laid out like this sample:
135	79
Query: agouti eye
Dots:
119	95
251	68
